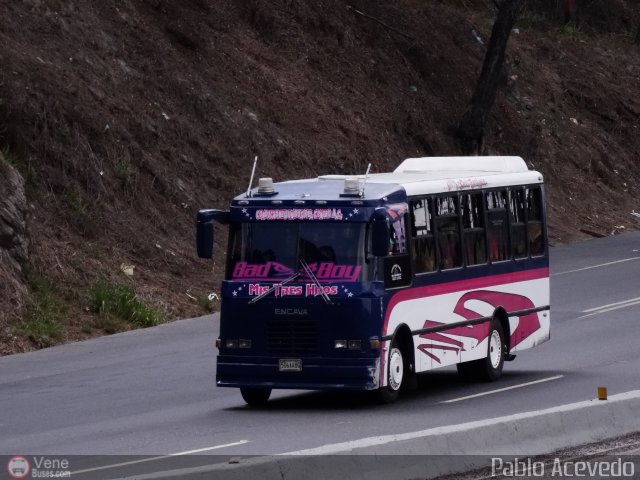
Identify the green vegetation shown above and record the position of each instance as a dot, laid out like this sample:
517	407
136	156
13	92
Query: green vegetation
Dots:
110	324
572	31
43	318
9	156
533	19
126	173
117	303
23	166
74	201
205	303
77	211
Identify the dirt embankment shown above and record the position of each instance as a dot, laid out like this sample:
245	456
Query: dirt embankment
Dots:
123	118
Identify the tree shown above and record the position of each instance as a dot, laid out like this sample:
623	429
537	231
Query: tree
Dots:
470	131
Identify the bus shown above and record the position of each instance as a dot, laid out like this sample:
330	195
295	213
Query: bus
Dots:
363	282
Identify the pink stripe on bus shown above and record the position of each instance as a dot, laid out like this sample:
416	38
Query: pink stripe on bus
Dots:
450	287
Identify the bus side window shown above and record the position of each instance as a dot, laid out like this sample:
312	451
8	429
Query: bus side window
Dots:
475	245
534	220
448	232
518	225
422	242
497	226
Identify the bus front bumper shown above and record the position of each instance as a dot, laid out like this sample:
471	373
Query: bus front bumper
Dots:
316	373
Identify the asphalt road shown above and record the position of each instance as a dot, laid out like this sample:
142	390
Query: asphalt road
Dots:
152	392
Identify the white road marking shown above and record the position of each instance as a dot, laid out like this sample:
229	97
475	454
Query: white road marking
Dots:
595	266
608	308
623	302
513	387
161	457
462	427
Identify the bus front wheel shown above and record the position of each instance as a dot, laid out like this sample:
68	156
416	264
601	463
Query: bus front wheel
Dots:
489	368
395	375
255	397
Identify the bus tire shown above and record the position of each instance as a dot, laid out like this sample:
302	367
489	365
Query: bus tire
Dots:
396	372
489	368
255	397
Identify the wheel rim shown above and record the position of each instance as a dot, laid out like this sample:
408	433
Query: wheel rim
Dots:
495	349
396	369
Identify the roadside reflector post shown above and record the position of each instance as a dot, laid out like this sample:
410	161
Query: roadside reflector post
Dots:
602	393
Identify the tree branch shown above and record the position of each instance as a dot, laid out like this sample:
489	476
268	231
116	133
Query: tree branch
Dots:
389	27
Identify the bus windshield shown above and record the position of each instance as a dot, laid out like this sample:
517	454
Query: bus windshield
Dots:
273	251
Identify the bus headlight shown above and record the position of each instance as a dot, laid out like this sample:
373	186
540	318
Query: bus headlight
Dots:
244	343
340	344
231	343
355	345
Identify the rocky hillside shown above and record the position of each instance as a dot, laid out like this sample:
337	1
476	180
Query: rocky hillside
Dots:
119	119
14	253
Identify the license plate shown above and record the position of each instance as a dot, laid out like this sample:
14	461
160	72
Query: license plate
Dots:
290	365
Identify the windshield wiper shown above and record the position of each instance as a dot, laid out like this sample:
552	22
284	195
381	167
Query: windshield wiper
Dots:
277	285
312	276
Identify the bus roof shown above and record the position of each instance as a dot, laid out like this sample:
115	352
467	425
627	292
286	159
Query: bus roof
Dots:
454	165
416	176
427	175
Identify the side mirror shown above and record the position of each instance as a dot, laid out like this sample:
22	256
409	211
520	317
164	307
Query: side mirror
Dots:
204	230
204	239
380	233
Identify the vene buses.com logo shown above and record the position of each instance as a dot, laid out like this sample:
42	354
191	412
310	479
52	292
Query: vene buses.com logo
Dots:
18	467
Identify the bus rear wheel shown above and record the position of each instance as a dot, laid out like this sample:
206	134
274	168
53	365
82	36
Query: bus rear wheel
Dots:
395	375
255	397
489	368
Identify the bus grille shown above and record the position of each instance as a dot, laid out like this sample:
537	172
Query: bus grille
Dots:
292	337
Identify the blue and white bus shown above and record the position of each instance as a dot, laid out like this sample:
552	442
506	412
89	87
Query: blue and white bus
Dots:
361	283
